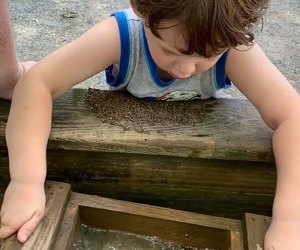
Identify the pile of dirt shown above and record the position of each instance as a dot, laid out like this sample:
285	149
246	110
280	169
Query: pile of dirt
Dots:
122	109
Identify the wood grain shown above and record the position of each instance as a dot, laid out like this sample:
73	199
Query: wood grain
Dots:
227	129
255	227
216	187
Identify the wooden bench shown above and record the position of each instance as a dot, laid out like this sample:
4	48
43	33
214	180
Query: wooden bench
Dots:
221	166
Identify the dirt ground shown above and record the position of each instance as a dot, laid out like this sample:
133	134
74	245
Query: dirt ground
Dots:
42	26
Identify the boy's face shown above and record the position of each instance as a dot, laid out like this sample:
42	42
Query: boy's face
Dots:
166	53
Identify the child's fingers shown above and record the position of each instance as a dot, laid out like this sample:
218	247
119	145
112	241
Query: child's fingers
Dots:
6	231
26	230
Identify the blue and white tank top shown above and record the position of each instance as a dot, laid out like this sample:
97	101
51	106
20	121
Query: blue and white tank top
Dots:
137	72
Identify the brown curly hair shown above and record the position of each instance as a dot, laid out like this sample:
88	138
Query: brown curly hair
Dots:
209	26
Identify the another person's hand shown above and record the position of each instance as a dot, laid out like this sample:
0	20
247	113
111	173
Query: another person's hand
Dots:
22	209
8	81
283	235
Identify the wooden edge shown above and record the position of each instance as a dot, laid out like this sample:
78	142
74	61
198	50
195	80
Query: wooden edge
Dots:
234	241
222	116
156	212
68	228
81	205
255	227
57	195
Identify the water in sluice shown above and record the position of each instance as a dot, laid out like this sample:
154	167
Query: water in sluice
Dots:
96	239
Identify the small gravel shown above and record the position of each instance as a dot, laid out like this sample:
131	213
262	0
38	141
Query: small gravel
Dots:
122	109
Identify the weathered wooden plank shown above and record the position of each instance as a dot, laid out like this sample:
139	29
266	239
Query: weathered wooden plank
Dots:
255	227
223	188
151	211
234	241
57	196
168	224
68	229
228	129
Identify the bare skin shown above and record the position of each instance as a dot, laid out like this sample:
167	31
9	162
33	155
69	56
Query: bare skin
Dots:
11	69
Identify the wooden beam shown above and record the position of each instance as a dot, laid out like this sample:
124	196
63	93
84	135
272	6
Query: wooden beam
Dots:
227	129
221	188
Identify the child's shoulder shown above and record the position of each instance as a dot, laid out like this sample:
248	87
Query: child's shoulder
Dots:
244	59
260	81
124	16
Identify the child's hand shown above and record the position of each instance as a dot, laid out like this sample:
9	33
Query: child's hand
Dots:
283	235
22	209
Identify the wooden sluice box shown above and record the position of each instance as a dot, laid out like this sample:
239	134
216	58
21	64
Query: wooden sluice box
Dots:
66	211
221	164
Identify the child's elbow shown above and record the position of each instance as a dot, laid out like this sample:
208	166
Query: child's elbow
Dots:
291	117
36	83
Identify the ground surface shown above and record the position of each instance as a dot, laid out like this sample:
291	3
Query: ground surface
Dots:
44	25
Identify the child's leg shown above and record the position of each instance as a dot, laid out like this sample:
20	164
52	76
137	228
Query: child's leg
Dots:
10	68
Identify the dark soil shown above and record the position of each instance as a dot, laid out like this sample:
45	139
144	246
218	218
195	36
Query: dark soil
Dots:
122	109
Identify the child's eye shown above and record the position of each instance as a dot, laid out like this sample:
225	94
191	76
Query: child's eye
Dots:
167	53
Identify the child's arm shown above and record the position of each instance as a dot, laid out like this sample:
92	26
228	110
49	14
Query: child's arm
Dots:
29	121
279	105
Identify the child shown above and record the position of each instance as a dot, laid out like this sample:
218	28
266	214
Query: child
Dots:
10	69
162	49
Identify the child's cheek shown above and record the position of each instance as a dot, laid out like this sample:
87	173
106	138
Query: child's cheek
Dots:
160	59
205	64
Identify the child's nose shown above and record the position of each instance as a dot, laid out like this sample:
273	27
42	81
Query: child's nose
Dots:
185	67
